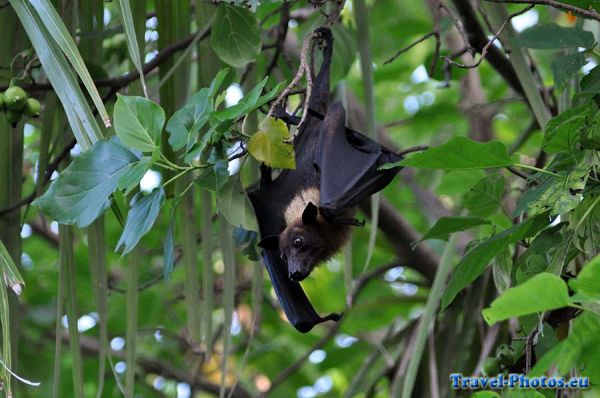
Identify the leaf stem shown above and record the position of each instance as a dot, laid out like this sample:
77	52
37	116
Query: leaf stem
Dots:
176	177
526	166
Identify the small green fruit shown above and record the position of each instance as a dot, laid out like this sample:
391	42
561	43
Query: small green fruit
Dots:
32	107
15	98
491	367
505	354
13	117
2	104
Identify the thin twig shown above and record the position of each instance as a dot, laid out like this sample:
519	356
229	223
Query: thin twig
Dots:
411	45
119	82
593	14
518	173
489	43
303	69
417	148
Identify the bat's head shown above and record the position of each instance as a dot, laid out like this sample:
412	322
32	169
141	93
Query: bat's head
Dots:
302	245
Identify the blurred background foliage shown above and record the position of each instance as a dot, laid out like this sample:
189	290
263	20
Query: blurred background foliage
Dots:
366	354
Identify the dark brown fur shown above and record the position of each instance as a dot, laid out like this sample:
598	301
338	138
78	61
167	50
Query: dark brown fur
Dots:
309	239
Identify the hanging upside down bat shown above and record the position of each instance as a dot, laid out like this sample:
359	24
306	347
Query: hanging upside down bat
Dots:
305	215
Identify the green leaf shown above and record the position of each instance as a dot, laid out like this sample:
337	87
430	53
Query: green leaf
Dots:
485	197
143	211
543	292
562	196
213	178
250	102
185	124
562	131
461	153
448	225
478	258
82	191
587	282
590	135
566	67
131	178
234	204
235	36
138	122
590	83
458	182
11	276
552	36
268	145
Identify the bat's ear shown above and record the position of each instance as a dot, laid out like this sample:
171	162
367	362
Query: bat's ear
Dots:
309	215
271	242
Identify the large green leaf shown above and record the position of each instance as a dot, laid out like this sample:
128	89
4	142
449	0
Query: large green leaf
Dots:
185	124
143	211
448	225
268	145
478	258
234	204
214	177
461	153
139	122
562	196
562	131
587	282
566	67
82	191
131	178
579	350
235	36
591	82
485	197
543	292
552	36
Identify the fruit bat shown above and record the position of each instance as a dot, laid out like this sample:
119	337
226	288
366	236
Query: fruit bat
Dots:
305	215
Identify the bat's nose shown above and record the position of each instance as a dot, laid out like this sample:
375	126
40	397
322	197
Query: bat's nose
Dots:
296	276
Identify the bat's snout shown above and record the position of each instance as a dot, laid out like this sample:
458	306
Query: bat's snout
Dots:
297	276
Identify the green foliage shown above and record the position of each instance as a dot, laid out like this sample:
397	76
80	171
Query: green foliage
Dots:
541	293
553	36
235	36
478	258
143	211
538	230
139	122
448	225
234	204
82	191
461	153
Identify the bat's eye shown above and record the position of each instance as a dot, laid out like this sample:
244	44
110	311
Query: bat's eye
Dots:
283	256
298	242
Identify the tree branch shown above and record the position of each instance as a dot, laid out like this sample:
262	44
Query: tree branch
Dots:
591	13
116	83
478	39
